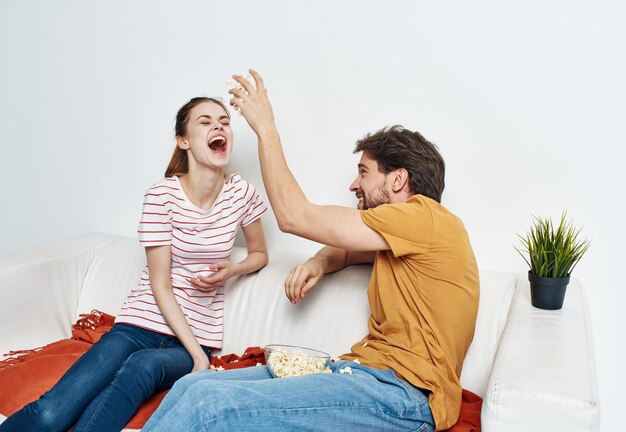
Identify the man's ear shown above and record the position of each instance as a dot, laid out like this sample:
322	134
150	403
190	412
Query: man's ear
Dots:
182	143
400	180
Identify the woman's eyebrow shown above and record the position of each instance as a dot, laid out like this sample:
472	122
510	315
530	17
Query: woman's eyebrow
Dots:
209	117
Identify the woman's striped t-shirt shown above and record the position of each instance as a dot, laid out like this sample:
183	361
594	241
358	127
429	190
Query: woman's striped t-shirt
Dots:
198	238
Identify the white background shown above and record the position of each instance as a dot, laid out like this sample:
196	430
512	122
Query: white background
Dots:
524	99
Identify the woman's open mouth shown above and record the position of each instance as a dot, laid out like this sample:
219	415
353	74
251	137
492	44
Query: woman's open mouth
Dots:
218	144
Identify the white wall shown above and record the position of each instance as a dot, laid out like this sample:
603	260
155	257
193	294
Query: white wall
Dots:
525	100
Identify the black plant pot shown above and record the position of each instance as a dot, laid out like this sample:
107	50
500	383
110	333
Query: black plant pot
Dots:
547	293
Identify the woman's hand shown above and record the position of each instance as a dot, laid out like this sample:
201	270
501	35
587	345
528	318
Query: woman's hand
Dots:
254	104
201	363
224	270
303	277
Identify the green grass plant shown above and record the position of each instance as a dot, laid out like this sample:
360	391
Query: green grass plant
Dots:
552	252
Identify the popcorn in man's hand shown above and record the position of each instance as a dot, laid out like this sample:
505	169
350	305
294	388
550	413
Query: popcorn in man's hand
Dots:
237	85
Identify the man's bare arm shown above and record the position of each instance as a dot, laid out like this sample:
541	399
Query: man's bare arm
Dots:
336	226
306	276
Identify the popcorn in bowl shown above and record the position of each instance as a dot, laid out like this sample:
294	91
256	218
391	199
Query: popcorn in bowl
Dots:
289	360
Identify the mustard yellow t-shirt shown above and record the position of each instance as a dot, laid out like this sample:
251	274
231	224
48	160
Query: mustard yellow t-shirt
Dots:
423	294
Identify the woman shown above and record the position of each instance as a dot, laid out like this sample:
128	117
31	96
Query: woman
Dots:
172	319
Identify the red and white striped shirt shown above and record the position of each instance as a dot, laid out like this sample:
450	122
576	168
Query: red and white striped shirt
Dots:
198	238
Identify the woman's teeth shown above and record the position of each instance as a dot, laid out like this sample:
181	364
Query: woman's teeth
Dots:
217	144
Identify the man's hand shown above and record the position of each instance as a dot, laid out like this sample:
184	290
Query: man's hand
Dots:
253	103
303	277
224	270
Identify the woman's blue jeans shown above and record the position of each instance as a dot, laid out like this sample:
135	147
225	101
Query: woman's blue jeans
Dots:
106	386
250	399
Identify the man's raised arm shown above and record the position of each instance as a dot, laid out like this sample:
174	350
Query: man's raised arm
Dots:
330	225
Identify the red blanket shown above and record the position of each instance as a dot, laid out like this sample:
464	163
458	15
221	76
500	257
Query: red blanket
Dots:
25	375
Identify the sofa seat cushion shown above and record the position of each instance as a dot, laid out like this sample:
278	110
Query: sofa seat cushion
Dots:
26	375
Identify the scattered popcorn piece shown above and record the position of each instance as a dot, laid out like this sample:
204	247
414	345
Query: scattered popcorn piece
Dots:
259	364
220	368
235	361
335	359
346	370
356	361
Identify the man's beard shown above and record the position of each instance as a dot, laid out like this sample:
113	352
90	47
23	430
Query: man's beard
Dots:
379	196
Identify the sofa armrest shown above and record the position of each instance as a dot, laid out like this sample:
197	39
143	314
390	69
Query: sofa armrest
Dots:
543	377
40	288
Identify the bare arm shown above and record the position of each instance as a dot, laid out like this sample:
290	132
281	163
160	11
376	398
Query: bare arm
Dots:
340	227
159	267
335	259
305	276
257	249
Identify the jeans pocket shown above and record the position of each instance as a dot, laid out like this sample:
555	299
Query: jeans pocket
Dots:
425	427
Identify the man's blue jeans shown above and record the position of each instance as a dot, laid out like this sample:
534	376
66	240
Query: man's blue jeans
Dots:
106	386
250	399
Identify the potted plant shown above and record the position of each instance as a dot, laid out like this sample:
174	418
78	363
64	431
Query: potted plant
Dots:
552	255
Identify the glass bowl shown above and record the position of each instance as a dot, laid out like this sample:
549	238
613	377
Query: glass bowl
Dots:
290	360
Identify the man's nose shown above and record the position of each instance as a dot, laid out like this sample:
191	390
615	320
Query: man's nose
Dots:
354	186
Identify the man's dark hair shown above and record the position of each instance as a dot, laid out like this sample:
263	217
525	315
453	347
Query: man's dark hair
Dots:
396	147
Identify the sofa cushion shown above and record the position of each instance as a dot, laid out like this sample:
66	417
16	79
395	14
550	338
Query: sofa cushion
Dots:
27	375
496	293
331	318
113	272
40	289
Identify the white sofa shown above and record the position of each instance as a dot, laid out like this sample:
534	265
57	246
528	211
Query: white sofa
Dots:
534	369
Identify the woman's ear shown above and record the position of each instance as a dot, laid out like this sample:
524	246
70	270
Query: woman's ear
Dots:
182	143
400	180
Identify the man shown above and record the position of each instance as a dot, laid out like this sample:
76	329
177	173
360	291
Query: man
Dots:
423	295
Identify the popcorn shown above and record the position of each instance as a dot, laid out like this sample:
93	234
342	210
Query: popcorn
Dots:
356	361
237	85
346	370
285	364
217	369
